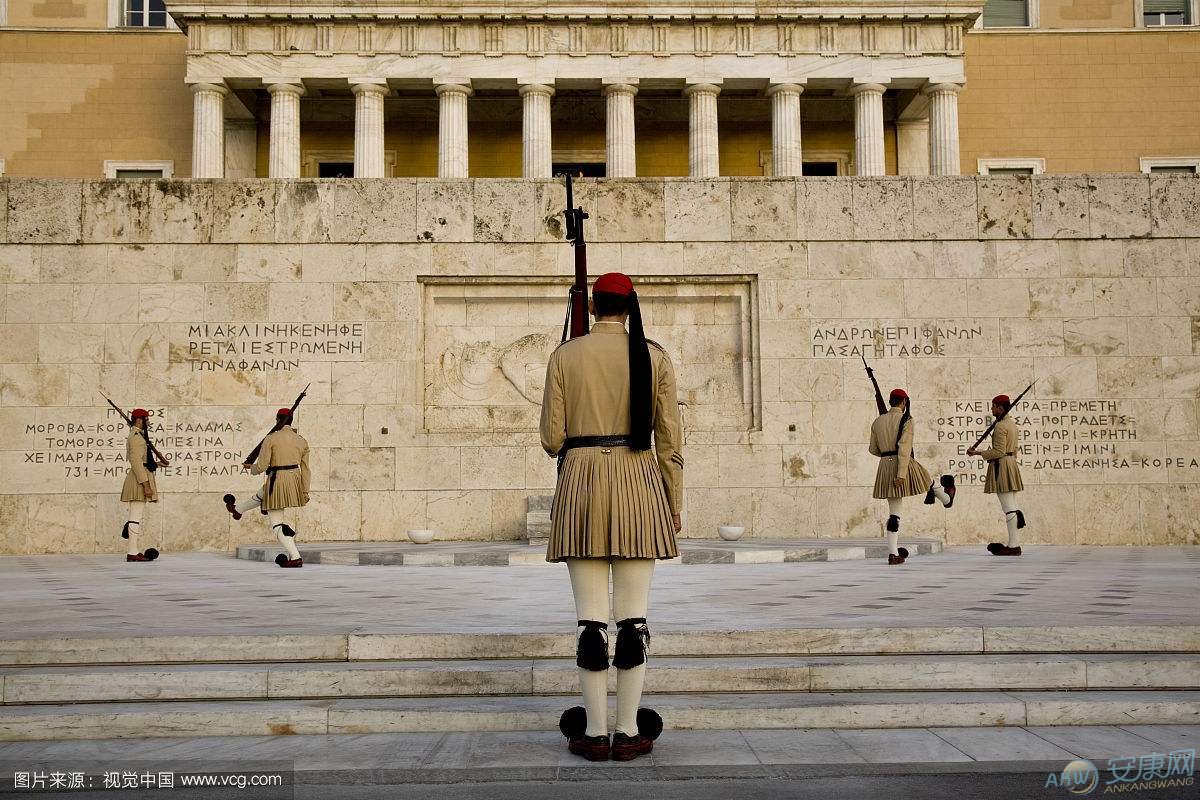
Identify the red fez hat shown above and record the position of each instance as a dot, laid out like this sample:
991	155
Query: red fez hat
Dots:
1002	399
283	412
139	413
899	393
614	283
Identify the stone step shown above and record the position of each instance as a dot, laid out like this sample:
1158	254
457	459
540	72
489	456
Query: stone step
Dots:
531	551
525	713
368	646
160	682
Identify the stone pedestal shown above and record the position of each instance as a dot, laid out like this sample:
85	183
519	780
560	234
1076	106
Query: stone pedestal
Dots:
786	155
452	129
284	160
368	127
703	156
208	130
535	130
868	127
619	128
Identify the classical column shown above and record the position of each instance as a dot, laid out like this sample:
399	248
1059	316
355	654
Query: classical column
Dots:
619	141
703	157
943	128
535	130
786	160
284	160
208	130
868	127
368	126
452	128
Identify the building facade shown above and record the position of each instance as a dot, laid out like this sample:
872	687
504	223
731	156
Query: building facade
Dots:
108	88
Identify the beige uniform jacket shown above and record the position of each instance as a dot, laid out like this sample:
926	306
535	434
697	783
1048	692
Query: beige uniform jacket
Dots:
135	456
283	448
1003	471
611	501
883	440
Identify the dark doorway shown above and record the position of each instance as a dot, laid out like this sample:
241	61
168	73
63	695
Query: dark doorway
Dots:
576	168
820	169
335	169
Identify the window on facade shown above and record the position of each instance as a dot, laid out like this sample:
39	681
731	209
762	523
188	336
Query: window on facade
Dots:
1007	14
587	169
335	169
1156	13
819	168
1002	171
138	174
145	14
1173	170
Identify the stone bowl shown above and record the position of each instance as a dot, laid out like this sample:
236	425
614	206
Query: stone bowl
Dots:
421	536
730	533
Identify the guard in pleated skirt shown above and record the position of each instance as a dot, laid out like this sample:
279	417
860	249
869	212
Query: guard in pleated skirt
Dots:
610	415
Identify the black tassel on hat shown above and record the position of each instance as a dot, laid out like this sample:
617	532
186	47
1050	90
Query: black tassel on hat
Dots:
641	395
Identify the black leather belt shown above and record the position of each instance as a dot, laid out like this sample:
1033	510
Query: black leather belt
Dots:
888	453
572	442
271	472
594	441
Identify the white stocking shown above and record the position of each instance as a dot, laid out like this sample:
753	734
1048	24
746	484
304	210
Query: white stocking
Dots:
286	542
939	492
253	502
136	508
589	583
1008	502
894	538
631	596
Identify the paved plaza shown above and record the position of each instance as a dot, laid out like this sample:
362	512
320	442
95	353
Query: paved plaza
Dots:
211	594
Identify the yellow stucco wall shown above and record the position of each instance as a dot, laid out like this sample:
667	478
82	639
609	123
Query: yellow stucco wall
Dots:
1086	102
58	13
70	100
1085	13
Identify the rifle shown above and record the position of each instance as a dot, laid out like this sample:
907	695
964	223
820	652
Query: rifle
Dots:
576	323
250	459
996	421
153	457
882	406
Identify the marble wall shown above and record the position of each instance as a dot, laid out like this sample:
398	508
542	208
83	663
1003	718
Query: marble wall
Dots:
421	313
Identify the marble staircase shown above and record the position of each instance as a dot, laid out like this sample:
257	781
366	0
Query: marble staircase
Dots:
137	687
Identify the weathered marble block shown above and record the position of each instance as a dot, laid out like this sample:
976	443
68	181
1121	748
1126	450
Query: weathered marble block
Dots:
1005	208
697	211
45	211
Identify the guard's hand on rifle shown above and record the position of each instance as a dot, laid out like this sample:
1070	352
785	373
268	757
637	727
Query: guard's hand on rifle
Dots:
162	462
971	451
677	521
246	467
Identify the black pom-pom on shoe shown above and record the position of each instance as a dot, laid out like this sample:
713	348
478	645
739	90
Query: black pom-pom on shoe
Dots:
573	722
151	553
649	723
903	551
994	547
281	559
